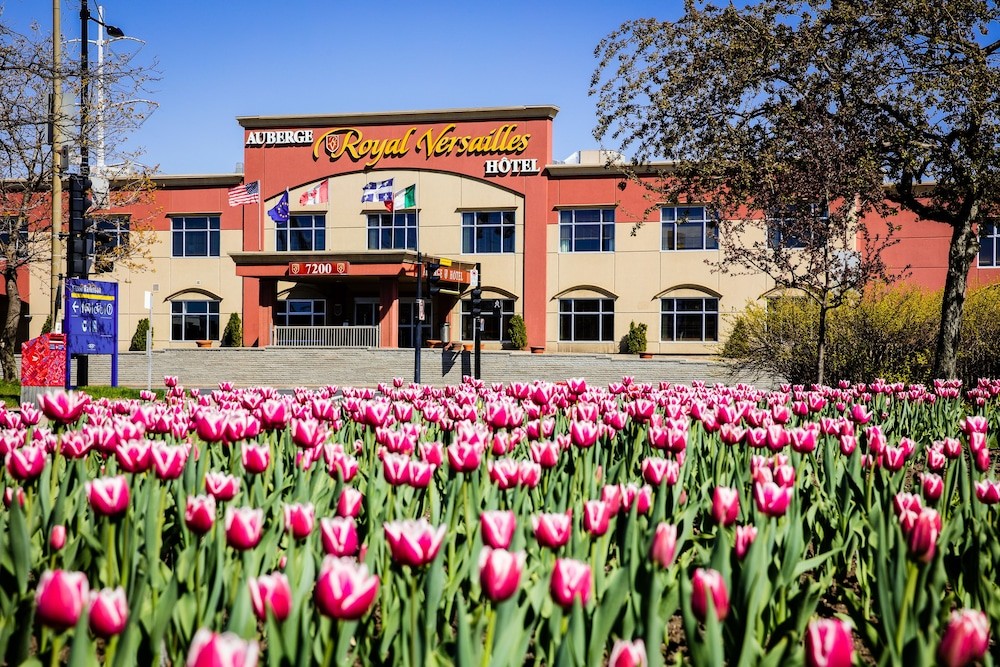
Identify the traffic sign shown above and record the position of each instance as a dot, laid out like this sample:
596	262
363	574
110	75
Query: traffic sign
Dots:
91	316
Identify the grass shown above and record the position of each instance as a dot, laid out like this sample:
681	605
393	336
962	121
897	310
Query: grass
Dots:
10	392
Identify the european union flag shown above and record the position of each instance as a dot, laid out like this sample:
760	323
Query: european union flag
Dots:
280	211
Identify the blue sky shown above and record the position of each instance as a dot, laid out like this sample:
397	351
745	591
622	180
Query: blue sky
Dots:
219	60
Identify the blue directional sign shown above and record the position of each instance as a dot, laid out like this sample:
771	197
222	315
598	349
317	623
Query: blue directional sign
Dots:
91	317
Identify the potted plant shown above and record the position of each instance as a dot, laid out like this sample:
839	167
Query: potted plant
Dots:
635	339
518	333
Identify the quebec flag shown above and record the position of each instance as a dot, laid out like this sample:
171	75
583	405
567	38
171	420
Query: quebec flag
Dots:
377	191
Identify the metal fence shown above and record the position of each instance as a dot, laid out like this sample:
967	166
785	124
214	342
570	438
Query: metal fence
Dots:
342	336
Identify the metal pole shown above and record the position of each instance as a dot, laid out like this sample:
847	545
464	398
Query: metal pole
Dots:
56	120
476	334
99	110
149	343
82	362
418	337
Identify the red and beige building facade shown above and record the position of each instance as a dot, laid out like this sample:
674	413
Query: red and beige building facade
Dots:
556	242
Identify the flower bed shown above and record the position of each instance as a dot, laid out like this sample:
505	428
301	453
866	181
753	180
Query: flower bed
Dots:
555	524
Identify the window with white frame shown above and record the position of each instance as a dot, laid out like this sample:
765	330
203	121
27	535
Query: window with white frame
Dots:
300	232
989	245
110	235
392	231
688	228
300	313
487	231
689	319
496	314
194	320
587	230
586	320
195	236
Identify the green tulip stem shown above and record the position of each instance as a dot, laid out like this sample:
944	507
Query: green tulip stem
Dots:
414	618
109	546
197	588
912	572
57	641
491	625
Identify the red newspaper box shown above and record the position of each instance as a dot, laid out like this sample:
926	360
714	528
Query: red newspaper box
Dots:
43	361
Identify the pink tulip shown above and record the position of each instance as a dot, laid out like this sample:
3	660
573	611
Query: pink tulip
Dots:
135	455
108	496
583	433
664	547
657	470
529	474
60	597
725	505
169	460
211	649
628	654
64	407
308	433
270	592
9	494
966	638
933	485
552	530
829	643
299	519
708	584
848	443
344	589
244	527
497	527
745	535
544	452
340	536
907	507
349	503
75	444
503	472
57	537
199	514
973	424
988	491
221	486
108	611
464	456
431	452
921	540
772	500
500	572
571	580
596	517
210	425
641	497
414	542
27	462
255	458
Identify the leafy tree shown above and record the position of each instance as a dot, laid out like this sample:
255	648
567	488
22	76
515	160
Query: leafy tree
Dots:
825	115
28	75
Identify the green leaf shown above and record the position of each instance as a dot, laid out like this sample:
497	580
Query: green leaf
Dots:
20	546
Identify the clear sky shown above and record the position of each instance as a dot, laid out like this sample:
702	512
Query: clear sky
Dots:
219	59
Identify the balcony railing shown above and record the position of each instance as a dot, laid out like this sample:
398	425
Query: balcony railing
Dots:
342	336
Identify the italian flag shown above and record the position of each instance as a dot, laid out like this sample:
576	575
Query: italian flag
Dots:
405	198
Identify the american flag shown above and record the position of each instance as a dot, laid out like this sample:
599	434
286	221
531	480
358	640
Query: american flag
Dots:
248	193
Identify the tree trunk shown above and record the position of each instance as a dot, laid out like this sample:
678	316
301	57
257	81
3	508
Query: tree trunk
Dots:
821	343
11	321
961	252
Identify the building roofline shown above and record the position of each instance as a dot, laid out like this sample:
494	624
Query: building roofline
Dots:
570	170
541	112
195	180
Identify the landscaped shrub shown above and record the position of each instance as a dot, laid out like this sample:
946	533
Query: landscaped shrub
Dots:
634	341
888	333
232	335
142	330
518	333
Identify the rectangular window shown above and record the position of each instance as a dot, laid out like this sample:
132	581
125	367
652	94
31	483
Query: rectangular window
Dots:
300	313
798	227
587	230
496	319
586	319
989	245
111	236
487	231
689	319
195	236
688	228
300	233
392	231
194	320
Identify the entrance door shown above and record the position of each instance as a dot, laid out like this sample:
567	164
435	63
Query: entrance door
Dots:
366	312
408	321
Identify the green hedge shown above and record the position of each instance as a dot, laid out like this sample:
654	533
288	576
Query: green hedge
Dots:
888	333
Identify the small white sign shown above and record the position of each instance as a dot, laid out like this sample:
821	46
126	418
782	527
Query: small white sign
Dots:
473	278
147	300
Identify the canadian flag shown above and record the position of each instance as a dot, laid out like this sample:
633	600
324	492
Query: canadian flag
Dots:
317	195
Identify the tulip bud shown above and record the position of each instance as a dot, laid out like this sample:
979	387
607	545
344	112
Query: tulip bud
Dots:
221	486
497	527
108	496
571	580
707	584
628	654
500	572
344	589
299	519
60	597
209	649
340	536
829	643
596	517
270	592
552	530
349	503
108	611
745	535
57	537
725	505
199	514
664	547
414	543
965	639
244	526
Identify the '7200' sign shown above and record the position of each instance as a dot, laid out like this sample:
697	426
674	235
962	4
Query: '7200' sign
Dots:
318	268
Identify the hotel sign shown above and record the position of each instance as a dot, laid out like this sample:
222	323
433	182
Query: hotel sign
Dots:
318	268
502	144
